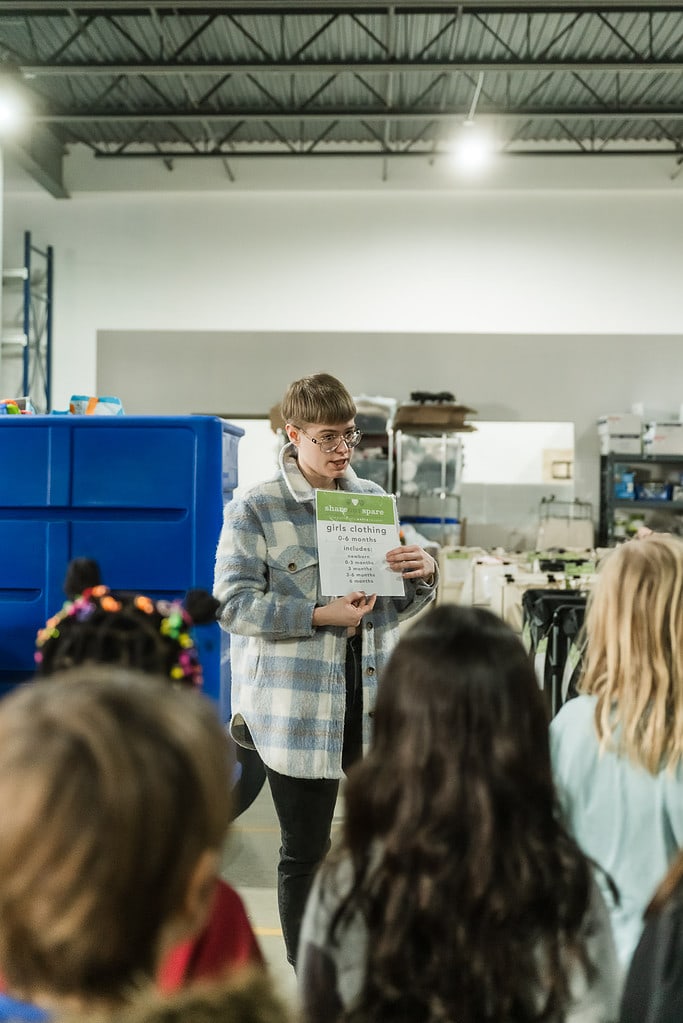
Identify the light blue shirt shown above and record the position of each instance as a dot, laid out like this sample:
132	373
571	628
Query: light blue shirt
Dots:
628	820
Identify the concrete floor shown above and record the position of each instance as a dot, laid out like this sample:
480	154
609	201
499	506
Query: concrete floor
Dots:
250	865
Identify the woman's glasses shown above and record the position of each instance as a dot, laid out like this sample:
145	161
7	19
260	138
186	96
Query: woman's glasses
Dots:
331	441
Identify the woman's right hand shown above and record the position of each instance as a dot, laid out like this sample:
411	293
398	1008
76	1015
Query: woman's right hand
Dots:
347	611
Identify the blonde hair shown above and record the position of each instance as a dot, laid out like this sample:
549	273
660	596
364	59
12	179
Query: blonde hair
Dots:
112	785
634	656
320	398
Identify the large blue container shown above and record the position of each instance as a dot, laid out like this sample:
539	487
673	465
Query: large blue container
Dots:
143	495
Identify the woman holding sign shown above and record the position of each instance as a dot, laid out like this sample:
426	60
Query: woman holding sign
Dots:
304	665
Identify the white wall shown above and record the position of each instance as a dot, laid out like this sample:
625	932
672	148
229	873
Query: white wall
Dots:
552	304
509	263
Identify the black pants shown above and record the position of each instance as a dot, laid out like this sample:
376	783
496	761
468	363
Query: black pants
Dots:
305	807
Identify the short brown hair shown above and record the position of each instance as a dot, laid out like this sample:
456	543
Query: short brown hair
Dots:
112	785
320	398
245	997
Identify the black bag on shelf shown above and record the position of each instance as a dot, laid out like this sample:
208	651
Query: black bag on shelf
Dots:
548	630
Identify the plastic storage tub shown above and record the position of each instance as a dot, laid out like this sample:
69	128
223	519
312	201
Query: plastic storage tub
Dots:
143	495
440	530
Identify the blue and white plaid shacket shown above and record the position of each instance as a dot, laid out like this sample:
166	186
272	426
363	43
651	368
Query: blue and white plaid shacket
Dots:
288	678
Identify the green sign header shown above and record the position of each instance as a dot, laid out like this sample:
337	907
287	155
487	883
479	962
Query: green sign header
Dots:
341	506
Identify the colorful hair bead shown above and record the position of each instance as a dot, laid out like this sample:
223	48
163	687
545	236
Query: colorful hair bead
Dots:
144	604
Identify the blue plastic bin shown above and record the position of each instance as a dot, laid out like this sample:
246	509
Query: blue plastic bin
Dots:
143	495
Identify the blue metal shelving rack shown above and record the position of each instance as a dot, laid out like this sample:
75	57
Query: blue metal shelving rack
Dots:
35	336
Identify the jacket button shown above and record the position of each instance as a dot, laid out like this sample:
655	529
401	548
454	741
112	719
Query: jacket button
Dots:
292	566
371	670
369	625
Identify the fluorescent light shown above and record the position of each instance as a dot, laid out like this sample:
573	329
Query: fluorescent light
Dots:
473	148
12	109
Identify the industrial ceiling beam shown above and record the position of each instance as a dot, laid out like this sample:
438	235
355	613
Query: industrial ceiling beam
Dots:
379	151
153	40
593	113
92	70
265	7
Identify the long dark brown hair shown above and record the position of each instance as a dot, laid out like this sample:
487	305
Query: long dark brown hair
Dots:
472	892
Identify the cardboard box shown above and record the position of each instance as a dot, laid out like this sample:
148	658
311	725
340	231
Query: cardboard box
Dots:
618	445
663	439
621	424
432	416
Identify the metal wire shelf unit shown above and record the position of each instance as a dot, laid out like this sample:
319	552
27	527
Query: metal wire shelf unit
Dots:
658	467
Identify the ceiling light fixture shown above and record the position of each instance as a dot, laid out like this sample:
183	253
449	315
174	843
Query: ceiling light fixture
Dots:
474	145
473	148
12	107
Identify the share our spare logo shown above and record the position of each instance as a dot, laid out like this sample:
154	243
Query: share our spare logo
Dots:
349	507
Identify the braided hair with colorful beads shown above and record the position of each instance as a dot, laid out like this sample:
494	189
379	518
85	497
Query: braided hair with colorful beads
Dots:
100	626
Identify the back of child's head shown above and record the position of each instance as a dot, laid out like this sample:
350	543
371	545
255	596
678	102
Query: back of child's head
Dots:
320	398
458	706
245	997
97	625
112	787
454	806
634	655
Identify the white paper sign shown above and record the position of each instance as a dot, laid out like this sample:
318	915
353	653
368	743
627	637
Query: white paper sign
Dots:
355	532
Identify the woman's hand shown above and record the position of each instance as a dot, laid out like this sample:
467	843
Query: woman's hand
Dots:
348	611
412	562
